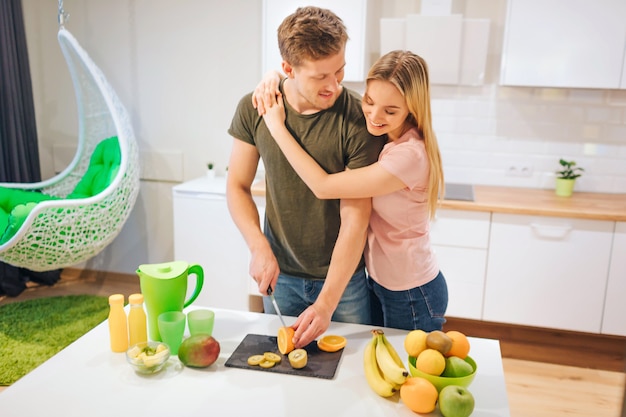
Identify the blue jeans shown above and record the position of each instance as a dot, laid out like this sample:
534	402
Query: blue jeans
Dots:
418	308
293	295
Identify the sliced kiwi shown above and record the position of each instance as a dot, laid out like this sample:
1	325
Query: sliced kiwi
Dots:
273	357
255	360
267	364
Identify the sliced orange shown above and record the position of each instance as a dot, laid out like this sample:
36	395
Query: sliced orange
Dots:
285	340
331	343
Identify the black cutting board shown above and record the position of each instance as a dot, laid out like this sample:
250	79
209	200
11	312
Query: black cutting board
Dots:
320	364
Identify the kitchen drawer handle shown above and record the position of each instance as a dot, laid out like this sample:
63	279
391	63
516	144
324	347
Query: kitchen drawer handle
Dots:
551	231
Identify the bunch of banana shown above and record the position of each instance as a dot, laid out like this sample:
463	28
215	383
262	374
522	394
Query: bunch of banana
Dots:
384	370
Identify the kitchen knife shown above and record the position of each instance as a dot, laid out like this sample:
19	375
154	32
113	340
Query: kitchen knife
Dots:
280	316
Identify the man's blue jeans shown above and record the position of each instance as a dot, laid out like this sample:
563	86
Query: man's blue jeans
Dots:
293	295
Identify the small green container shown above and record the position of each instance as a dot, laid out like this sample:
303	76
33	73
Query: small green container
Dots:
565	187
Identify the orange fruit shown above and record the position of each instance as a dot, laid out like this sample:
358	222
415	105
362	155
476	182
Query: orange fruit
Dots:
431	362
419	394
415	342
460	345
331	343
285	340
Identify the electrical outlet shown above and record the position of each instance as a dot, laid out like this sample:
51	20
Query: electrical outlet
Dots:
522	169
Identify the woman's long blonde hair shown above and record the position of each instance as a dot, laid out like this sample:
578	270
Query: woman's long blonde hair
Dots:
409	73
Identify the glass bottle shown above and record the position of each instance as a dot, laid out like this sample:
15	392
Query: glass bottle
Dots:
137	327
118	328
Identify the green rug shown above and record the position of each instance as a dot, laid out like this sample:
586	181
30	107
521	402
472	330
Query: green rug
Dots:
32	331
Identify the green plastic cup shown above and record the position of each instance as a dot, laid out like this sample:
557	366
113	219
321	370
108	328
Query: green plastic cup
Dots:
172	329
201	321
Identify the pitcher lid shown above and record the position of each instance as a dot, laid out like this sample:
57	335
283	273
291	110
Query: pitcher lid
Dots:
165	270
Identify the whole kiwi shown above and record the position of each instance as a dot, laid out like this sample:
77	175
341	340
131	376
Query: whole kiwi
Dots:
438	340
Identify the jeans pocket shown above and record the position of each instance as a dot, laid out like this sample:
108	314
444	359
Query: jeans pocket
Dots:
435	295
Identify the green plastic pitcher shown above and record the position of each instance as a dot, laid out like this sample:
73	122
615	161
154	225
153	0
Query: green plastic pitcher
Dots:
164	287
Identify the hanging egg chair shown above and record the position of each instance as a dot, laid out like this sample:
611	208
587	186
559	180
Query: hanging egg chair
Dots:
73	216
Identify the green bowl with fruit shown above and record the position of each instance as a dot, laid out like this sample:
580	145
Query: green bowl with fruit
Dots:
443	381
148	357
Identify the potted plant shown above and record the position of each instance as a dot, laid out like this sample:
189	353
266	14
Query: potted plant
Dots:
210	171
566	177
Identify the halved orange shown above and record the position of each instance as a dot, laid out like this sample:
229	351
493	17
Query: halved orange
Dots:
285	340
331	343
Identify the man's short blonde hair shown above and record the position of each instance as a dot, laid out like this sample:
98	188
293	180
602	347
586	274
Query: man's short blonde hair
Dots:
311	34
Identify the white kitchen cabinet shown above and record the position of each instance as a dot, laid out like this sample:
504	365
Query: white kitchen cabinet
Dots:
547	271
460	240
564	43
454	47
474	51
438	39
354	14
204	233
614	320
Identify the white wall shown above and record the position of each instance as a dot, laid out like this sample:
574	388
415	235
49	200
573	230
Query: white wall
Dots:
180	68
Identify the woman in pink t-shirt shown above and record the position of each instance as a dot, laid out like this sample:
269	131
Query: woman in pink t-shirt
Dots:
409	291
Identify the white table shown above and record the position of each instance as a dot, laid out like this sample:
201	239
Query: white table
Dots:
87	379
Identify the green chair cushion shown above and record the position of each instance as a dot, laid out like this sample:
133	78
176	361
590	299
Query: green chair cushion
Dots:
16	204
4	220
103	167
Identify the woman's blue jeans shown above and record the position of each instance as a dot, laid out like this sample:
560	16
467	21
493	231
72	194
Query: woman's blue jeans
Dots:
422	307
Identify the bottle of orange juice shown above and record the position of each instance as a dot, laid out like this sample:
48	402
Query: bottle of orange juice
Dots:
118	329
137	327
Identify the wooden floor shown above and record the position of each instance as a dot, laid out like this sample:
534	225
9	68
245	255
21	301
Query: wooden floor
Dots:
548	373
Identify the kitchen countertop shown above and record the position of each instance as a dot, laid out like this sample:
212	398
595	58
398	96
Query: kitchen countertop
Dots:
87	379
531	201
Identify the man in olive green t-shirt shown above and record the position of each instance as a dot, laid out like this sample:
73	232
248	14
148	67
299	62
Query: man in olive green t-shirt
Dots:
311	250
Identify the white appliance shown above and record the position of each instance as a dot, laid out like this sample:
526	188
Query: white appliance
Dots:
204	233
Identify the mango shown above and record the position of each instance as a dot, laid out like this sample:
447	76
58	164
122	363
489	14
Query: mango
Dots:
199	351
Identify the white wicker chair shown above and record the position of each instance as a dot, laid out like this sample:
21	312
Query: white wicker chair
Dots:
61	233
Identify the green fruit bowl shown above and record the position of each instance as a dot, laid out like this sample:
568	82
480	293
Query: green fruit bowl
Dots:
442	381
